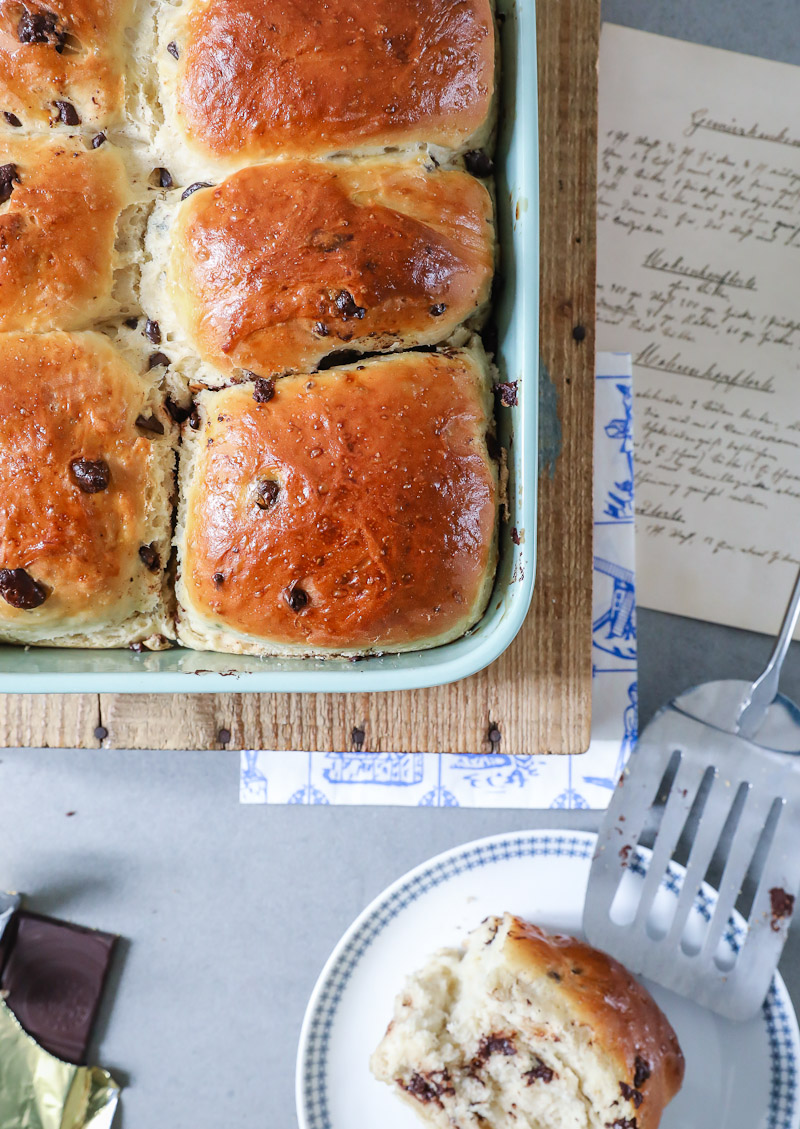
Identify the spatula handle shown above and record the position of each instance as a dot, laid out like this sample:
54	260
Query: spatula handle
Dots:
765	688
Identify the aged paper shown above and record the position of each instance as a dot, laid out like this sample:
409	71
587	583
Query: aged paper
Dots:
699	278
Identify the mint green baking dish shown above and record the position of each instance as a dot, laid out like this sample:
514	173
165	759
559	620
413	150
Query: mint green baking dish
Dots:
43	670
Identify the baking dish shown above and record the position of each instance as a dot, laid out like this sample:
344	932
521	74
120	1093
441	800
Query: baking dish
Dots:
55	670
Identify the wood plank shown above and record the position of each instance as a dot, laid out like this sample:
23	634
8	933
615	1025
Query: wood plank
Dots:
537	696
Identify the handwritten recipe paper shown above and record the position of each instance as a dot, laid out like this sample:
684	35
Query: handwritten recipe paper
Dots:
699	278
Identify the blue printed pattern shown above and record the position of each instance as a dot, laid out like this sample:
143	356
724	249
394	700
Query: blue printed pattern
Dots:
498	779
783	1100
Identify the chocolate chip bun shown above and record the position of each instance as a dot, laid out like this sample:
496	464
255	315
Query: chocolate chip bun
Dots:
242	80
62	249
62	63
87	453
529	1029
284	263
354	510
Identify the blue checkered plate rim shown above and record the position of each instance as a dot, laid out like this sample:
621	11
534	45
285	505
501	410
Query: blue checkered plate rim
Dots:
316	1080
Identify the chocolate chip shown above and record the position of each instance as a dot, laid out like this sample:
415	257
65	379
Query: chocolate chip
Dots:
131	322
187	192
478	163
150	424
149	557
494	1045
437	310
41	27
100	732
9	176
67	113
346	305
631	1095
98	140
152	331
91	475
554	975
538	1073
507	393
515	535
296	598
137	647
194	420
172	47
263	390
12	119
157	359
218	578
177	413
321	329
641	1072
20	590
429	1087
579	333
164	177
266	493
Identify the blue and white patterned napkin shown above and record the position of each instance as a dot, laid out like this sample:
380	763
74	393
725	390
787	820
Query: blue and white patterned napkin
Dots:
501	780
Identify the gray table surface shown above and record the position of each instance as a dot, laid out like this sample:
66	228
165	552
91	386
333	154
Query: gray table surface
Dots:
229	912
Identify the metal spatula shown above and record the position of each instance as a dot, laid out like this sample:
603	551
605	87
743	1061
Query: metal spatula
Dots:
711	775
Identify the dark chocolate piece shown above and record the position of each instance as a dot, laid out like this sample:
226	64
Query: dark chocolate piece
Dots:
20	590
150	424
194	188
478	163
263	390
53	978
172	47
91	475
152	331
67	113
296	598
12	119
98	140
41	27
9	176
164	177
538	1073
157	359
437	310
149	557
266	493
507	391
641	1070
178	413
346	305
631	1095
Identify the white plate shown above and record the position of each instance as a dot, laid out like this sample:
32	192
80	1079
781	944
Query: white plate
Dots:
738	1076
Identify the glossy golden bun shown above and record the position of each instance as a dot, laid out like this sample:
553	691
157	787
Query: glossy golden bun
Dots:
58	229
85	494
62	60
352	511
258	78
284	263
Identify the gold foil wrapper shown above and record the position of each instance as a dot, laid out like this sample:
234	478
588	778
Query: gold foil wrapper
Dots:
39	1091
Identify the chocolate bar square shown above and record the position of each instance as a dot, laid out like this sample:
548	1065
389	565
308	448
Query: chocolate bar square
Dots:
52	978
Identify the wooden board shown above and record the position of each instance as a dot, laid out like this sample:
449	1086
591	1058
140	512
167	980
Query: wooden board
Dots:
537	697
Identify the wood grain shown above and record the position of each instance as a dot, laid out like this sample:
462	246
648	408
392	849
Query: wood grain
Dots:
537	697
